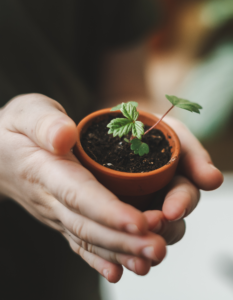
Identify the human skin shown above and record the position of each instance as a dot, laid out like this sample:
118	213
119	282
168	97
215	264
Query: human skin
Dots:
38	171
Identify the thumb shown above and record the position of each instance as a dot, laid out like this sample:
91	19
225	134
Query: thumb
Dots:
195	162
44	121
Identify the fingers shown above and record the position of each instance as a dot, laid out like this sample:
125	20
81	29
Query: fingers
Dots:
112	272
39	118
149	246
195	161
43	120
172	232
156	220
137	265
181	199
78	190
176	201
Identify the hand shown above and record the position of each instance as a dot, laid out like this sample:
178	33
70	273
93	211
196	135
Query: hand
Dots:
38	170
196	171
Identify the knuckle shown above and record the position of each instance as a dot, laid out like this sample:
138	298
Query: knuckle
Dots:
45	209
123	246
79	230
70	199
88	247
84	245
114	257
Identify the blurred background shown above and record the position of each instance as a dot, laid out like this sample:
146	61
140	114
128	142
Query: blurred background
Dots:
52	47
199	267
192	57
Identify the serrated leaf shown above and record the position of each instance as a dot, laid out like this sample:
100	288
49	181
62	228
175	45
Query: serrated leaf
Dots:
129	111
184	104
138	129
134	103
139	147
120	127
118	107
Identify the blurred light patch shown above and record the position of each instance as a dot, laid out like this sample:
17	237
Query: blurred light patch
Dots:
216	12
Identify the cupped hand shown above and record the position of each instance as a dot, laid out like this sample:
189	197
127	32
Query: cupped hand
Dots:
38	170
195	171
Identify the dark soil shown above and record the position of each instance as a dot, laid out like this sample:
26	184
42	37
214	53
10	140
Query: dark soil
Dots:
114	153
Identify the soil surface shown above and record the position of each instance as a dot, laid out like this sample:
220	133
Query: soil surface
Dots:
114	153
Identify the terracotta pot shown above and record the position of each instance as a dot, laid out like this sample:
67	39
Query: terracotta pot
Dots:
136	189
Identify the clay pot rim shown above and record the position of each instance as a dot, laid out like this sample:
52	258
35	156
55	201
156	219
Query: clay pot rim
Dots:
88	118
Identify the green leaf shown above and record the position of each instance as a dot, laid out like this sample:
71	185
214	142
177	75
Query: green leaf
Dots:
185	104
144	149
135	145
139	147
118	107
126	140
120	127
138	129
129	111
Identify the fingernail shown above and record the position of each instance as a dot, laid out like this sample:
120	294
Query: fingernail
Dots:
158	227
131	264
132	228
149	252
105	273
178	218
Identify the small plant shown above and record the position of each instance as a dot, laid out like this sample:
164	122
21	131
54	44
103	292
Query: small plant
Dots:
123	126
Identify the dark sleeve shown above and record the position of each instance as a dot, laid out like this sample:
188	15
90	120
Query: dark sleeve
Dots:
117	23
31	62
133	21
110	24
55	47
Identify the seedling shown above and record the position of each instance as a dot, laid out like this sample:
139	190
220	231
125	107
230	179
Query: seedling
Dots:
123	126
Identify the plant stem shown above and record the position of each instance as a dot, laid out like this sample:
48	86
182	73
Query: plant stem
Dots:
132	137
159	120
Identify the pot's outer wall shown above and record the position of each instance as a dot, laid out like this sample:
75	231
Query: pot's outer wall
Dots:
130	184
